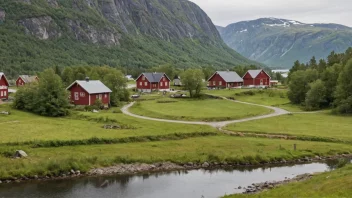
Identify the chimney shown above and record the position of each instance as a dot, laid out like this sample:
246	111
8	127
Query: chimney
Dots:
87	79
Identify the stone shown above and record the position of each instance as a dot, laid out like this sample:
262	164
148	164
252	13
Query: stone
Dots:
0	182
270	186
78	172
99	172
190	163
20	154
72	171
205	164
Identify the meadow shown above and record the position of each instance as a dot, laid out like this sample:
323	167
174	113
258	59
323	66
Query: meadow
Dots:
321	124
220	148
268	97
196	110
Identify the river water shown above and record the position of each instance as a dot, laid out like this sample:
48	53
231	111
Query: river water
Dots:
176	184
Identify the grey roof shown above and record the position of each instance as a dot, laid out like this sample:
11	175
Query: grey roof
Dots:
28	79
154	77
230	76
254	73
92	86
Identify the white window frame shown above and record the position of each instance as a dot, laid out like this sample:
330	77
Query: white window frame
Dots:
161	84
82	94
214	83
76	95
145	83
1	93
141	83
5	93
96	97
100	96
220	83
106	95
166	84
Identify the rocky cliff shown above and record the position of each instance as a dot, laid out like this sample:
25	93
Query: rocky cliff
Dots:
137	33
279	42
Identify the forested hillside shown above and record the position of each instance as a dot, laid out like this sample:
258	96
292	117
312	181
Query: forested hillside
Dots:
134	35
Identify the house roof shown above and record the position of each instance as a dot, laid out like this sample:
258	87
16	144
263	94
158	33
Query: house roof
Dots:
92	86
2	74
28	79
228	76
153	77
254	73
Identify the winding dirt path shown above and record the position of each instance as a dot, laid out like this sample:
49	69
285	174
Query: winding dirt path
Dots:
219	125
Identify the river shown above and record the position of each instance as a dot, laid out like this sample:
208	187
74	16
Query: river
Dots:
176	184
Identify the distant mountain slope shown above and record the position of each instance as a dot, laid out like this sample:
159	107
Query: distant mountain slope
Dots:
279	42
129	33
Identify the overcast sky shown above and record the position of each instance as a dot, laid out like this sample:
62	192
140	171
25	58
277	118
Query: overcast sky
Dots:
224	12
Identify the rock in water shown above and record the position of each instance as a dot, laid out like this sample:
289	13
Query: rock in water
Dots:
20	154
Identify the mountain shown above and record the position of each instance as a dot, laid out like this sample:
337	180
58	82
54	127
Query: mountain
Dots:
280	42
36	34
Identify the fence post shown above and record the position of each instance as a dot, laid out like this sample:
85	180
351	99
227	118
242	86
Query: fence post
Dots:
295	147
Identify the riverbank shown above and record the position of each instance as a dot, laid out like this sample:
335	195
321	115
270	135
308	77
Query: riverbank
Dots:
337	183
137	168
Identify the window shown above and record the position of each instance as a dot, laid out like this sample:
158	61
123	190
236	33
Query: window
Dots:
143	78
1	94
5	93
82	94
214	83
96	96
106	96
166	84
100	96
161	83
140	83
220	82
76	96
145	83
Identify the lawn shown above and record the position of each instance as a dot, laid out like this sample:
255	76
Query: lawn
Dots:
269	97
318	125
337	183
212	149
197	110
22	126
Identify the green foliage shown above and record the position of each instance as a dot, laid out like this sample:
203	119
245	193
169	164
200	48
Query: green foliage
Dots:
48	98
192	80
299	85
316	96
344	90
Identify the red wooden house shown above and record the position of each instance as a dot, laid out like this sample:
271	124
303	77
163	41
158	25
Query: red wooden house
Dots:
148	82
4	87
26	79
225	79
256	78
86	92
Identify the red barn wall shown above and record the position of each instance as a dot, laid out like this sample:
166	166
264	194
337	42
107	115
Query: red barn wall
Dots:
216	79
20	82
105	98
264	78
82	100
143	83
248	80
4	92
164	83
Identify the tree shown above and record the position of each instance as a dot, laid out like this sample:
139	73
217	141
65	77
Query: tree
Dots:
47	98
192	80
67	76
316	96
313	63
168	69
116	81
343	93
330	76
299	85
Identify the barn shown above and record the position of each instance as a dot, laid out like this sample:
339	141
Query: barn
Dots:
148	82
256	78
225	79
4	87
86	92
26	79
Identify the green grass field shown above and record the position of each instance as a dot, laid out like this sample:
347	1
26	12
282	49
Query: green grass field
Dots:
197	110
22	126
212	149
270	97
335	184
316	124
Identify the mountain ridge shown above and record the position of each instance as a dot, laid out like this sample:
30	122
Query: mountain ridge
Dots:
136	34
279	42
